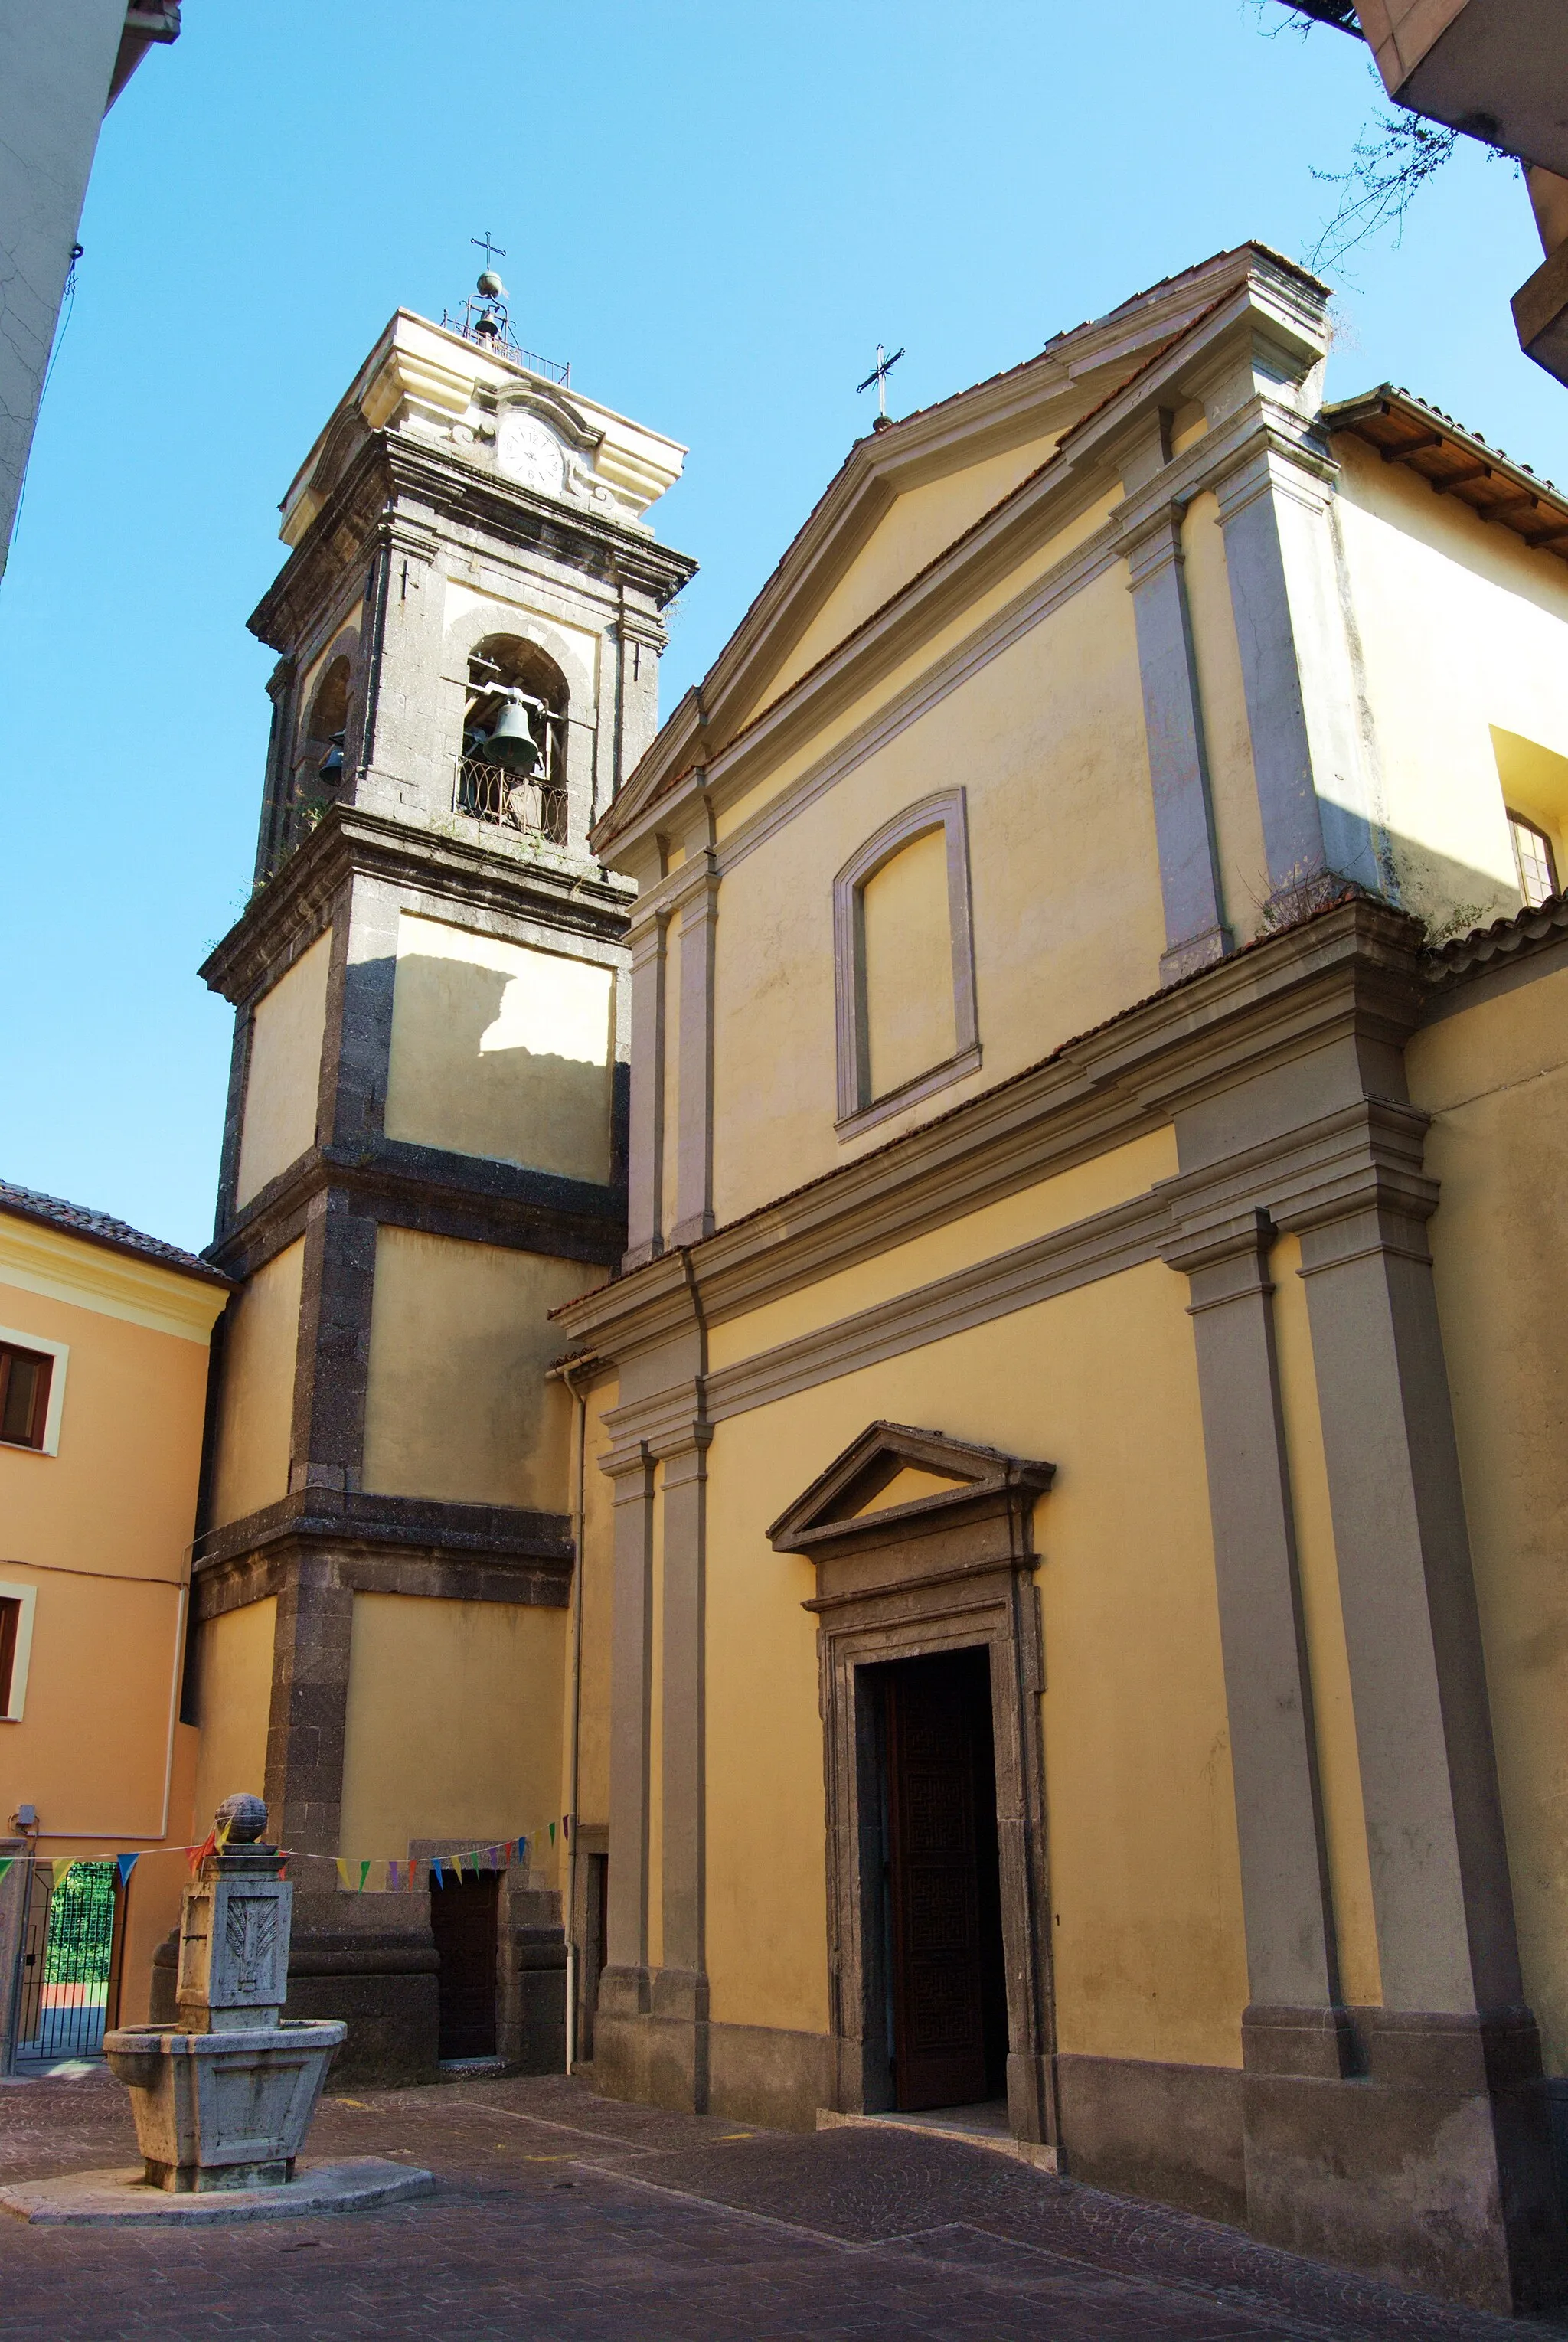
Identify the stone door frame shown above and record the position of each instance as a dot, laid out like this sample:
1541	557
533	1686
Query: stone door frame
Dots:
952	1571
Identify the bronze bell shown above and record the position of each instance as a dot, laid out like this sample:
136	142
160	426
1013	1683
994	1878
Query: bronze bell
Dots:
511	743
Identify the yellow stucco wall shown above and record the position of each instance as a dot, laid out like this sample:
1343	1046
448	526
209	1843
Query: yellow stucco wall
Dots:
1048	739
285	1072
454	1724
1328	1661
456	1403
234	1702
1461	628
153	1899
1147	1933
919	524
908	941
1113	1177
1496	1081
255	1408
500	1051
91	1749
120	1497
95	1538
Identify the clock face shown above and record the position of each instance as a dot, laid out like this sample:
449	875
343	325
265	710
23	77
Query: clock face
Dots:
528	451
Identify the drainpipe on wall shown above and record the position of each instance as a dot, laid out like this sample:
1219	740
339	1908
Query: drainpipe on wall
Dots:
579	1499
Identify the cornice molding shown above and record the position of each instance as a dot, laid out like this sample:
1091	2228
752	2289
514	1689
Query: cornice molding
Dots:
1255	316
1126	1236
1261	443
397	488
1350	970
1058	389
440	1194
353	842
59	1267
984	1481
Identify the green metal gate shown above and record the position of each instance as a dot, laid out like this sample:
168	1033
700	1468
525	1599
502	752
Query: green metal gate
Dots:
66	1962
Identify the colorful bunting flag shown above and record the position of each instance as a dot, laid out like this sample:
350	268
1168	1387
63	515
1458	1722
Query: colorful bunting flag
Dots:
61	1866
124	1863
6	1862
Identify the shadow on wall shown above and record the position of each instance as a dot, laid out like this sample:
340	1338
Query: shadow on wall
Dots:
463	1077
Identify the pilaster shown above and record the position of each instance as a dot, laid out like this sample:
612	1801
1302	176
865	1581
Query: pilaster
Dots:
1317	819
680	1985
695	1149
623	1987
1413	2136
1196	929
646	1167
1293	2024
402	764
1440	1873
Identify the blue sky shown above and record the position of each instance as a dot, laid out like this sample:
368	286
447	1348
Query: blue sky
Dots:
714	209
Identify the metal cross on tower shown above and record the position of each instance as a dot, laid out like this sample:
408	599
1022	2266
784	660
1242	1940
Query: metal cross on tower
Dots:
491	251
878	375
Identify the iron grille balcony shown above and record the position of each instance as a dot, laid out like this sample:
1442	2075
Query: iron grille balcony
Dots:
486	793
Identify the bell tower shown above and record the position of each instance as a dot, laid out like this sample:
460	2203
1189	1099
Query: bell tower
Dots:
424	1154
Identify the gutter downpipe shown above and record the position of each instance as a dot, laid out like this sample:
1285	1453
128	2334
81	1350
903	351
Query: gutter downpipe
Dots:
580	1494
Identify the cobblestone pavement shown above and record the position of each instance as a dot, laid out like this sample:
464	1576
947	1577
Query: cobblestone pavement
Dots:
565	2218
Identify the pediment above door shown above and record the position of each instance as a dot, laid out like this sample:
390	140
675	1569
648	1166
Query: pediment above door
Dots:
924	1506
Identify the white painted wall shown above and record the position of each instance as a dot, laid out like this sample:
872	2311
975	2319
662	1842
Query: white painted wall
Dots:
56	66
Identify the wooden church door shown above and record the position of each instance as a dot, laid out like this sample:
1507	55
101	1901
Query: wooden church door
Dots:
949	2019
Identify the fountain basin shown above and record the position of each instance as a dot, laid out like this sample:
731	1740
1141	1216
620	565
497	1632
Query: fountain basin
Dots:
226	2109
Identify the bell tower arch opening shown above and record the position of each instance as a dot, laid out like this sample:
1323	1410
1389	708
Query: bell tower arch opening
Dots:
512	768
319	765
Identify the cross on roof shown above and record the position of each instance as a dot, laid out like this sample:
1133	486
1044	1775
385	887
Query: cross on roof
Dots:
878	375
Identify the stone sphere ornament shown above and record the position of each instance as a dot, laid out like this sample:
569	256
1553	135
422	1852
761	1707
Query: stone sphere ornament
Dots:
245	1817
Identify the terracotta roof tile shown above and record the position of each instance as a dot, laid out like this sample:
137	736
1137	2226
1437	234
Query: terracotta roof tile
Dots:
101	1228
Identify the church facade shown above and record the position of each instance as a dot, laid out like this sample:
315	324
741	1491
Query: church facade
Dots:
1026	1567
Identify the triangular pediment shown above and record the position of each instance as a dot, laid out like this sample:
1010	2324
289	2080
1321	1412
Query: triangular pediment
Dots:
895	1472
906	497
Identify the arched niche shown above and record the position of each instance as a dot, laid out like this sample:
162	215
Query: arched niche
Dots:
493	649
321	760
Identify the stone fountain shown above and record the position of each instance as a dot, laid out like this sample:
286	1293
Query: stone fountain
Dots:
223	2097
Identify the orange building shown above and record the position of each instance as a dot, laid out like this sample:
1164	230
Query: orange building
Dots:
104	1335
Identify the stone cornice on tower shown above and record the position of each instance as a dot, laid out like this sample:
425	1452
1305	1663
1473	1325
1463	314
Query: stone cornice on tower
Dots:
387	479
430	382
